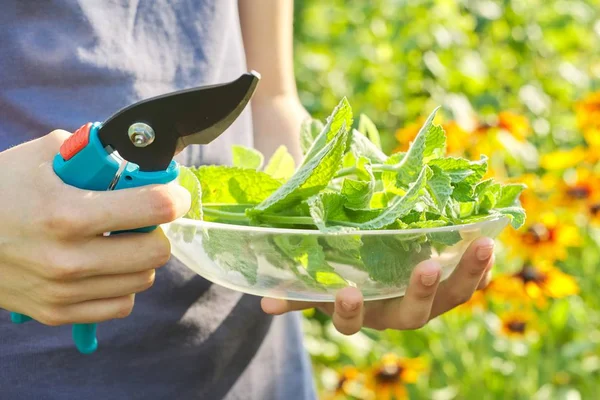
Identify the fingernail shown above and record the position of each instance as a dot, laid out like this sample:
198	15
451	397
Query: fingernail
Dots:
485	252
349	306
429	280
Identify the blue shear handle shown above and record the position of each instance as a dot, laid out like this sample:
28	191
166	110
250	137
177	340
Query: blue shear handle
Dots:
92	168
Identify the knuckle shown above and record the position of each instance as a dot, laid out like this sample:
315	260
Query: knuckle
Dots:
162	205
57	294
147	280
61	265
456	298
52	316
161	249
62	222
415	322
125	307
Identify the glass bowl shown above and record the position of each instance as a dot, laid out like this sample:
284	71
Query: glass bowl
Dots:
310	265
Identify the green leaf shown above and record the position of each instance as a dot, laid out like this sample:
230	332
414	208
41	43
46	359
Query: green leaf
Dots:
341	117
461	169
357	193
389	178
188	180
487	193
232	251
400	206
516	214
510	194
368	128
430	142
307	252
362	146
390	261
308	180
327	206
232	185
379	200
281	165
309	130
463	192
246	157
439	187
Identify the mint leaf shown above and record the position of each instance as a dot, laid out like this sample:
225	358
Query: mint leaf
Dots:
400	206
510	194
281	165
462	192
368	128
188	180
380	200
307	252
327	206
357	193
341	117
389	261
487	192
231	185
245	157
308	180
232	251
309	130
461	169
439	187
362	146
516	215
430	142
389	178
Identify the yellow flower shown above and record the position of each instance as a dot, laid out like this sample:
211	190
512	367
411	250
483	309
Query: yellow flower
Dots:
478	301
516	124
516	324
351	383
457	139
581	194
592	138
545	236
588	112
535	283
389	376
563	159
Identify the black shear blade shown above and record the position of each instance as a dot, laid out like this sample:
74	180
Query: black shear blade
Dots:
178	119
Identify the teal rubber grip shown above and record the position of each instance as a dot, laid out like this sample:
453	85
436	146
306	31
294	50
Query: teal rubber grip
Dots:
92	168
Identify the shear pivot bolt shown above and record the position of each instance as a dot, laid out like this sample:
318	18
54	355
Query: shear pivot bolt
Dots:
140	134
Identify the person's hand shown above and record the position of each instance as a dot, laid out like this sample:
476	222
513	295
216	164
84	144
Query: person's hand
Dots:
55	264
426	297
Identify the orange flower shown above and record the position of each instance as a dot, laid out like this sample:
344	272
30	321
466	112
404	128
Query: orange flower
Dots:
516	124
457	139
389	376
581	193
545	236
407	134
516	324
535	283
588	112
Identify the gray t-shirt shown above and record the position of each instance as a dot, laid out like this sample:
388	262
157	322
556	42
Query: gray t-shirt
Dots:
66	62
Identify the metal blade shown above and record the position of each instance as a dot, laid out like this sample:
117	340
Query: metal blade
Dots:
178	119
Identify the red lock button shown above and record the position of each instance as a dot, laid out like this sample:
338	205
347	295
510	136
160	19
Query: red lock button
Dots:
76	142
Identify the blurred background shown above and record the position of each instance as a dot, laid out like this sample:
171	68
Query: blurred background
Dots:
520	82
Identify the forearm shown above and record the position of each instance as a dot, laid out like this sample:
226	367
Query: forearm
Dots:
267	29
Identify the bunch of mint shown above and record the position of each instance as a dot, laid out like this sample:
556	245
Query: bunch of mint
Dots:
346	183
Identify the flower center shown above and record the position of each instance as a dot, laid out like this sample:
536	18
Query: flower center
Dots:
538	233
516	326
389	373
579	192
595	209
530	274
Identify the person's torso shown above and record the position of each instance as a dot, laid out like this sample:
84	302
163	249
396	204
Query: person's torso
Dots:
64	63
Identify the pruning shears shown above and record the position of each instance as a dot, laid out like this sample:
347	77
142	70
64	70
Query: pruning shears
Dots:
136	146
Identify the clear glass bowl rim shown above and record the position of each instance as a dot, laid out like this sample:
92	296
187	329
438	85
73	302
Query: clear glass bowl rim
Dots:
269	230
